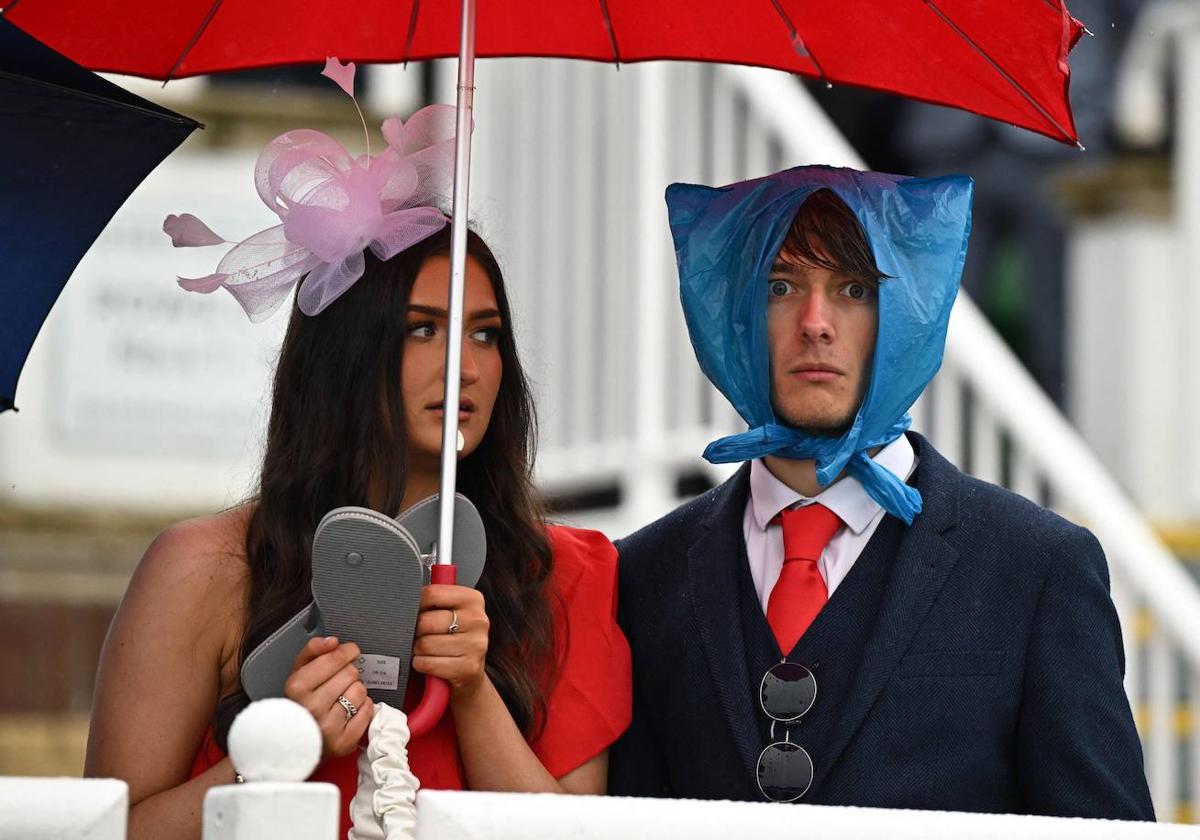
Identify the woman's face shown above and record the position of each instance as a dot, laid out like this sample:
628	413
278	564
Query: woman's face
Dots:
423	370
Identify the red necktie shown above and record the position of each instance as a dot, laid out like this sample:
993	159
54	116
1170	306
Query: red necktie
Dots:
800	592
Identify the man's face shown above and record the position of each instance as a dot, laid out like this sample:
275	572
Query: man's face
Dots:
821	328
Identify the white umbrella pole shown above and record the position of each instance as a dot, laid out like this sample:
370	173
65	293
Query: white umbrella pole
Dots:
437	693
458	268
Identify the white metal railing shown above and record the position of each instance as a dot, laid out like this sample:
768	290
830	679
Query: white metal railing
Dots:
626	405
458	815
42	809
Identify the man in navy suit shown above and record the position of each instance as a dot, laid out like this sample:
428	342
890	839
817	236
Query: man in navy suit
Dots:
850	620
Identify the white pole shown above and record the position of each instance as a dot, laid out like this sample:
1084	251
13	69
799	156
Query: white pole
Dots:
649	480
1186	194
458	267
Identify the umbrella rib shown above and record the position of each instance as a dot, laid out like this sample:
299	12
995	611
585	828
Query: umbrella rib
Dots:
1003	73
798	44
80	94
412	31
612	33
195	37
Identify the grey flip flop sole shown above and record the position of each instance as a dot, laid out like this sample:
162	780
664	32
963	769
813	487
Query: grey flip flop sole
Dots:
366	583
268	666
470	540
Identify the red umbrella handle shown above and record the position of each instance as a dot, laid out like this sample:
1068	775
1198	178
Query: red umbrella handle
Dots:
437	692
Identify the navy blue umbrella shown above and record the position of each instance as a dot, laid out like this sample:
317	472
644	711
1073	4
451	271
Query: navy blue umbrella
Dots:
72	148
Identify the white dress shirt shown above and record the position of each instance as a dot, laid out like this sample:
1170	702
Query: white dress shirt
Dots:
860	514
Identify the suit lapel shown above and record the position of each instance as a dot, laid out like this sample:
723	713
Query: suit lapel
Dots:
919	571
713	585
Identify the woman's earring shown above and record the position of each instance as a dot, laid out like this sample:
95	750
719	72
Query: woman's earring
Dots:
462	441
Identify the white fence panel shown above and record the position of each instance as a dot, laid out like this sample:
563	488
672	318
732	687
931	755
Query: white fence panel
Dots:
57	809
446	815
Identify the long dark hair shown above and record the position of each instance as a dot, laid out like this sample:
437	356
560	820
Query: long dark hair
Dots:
336	435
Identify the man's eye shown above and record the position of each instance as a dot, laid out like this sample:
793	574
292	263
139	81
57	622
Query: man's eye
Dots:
422	330
858	291
778	288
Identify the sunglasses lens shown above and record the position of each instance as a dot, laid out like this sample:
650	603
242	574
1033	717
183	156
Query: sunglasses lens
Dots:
787	691
784	772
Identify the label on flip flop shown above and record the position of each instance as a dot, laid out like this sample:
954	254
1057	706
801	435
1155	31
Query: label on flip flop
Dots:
379	671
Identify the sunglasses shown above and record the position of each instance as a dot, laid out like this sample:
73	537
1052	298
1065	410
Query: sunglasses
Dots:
785	770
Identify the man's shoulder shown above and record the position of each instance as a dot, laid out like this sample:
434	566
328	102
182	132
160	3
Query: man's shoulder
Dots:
992	508
988	515
677	528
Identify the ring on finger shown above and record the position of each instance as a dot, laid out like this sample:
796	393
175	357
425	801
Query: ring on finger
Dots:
453	628
351	709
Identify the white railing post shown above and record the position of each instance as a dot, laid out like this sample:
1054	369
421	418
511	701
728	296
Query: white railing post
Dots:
1194	744
985	444
947	413
649	483
1127	616
276	744
1024	479
618	358
1162	753
580	276
1186	193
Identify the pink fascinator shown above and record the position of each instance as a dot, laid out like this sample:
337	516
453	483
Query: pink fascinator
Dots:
331	206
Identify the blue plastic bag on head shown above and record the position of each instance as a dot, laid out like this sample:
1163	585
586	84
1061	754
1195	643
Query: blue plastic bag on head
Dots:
726	240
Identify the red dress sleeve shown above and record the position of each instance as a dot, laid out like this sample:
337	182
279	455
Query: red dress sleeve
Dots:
590	704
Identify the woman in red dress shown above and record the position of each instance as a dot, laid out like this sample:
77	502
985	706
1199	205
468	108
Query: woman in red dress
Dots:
539	671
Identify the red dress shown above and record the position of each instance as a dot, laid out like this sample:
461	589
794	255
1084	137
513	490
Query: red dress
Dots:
588	708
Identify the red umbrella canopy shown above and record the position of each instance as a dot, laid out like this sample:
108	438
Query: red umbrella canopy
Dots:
1005	59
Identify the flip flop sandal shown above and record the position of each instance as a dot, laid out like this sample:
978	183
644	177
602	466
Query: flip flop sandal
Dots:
366	583
470	540
270	664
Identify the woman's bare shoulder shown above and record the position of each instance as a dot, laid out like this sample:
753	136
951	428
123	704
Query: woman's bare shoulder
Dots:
198	562
170	652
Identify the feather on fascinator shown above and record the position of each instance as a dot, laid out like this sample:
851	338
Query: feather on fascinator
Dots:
331	206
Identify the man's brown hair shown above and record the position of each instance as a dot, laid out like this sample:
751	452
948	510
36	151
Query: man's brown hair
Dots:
826	234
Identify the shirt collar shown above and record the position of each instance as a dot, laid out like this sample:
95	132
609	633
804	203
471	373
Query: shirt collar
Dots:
845	497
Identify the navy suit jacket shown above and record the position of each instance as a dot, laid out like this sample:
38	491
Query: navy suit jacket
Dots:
991	679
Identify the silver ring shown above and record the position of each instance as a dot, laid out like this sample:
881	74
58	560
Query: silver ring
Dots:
351	709
453	623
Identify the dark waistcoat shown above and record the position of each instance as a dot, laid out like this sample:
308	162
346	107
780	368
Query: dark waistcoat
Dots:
832	647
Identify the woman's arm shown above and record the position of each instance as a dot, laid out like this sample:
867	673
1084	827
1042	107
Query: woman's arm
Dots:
172	640
171	653
496	756
494	752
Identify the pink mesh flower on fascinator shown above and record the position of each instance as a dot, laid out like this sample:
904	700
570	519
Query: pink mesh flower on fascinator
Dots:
332	206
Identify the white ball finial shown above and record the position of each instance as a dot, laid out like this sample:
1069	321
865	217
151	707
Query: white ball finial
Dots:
275	740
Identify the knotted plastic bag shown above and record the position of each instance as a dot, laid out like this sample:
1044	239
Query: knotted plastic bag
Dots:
726	240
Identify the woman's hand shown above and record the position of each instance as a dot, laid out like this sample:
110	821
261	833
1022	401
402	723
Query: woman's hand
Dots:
458	657
322	672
